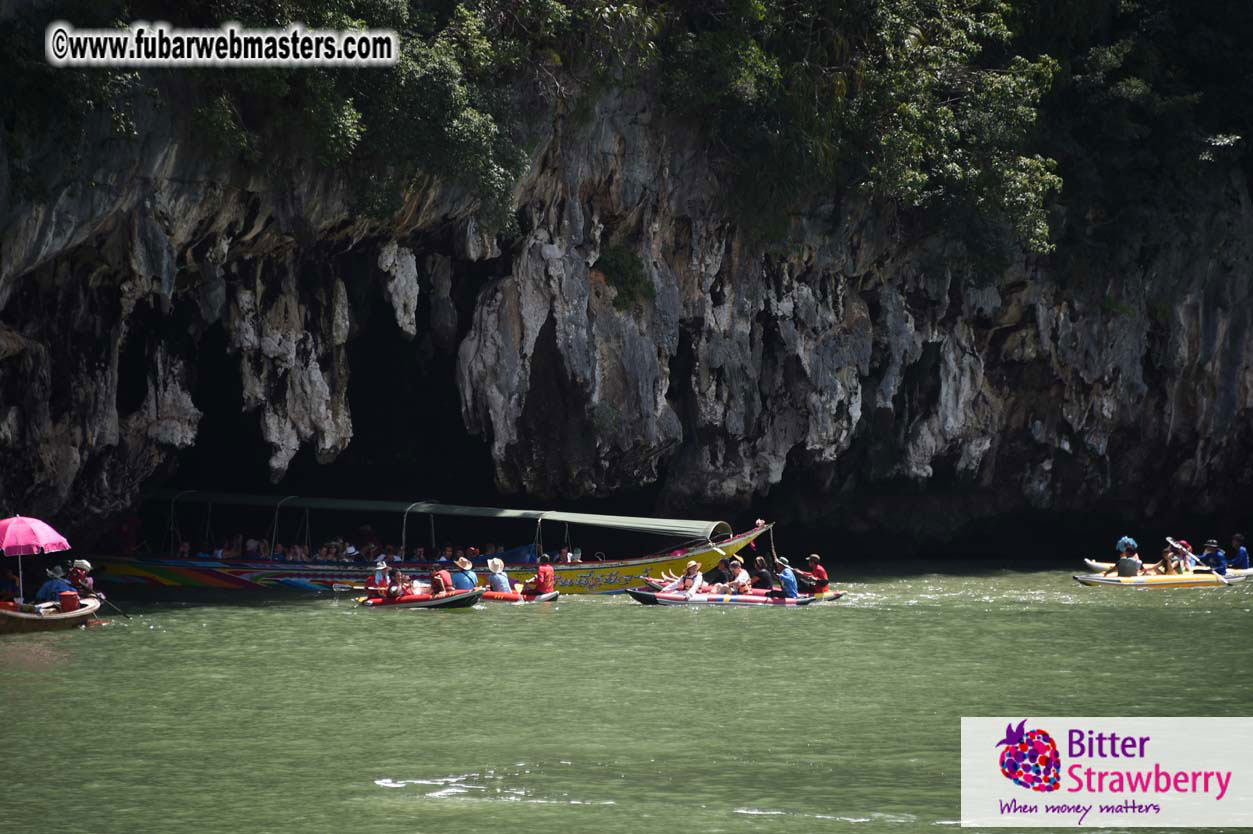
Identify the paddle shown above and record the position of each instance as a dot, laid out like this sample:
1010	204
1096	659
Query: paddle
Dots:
114	607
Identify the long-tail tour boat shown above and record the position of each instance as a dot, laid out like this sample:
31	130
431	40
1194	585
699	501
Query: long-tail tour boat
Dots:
704	541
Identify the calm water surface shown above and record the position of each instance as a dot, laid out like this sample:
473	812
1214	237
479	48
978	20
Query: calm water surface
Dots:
304	713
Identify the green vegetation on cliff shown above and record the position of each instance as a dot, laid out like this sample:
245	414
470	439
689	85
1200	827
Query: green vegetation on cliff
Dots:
945	106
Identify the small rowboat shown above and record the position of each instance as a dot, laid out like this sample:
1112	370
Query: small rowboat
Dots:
662	598
1186	580
456	599
500	596
1232	574
12	619
832	594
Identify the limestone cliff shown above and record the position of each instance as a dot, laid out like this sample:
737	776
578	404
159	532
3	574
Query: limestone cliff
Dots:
852	367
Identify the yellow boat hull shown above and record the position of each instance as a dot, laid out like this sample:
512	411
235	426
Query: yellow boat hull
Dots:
1187	580
617	576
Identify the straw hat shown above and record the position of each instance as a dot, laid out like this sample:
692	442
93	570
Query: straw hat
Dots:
813	557
381	564
82	564
495	565
351	551
464	563
691	563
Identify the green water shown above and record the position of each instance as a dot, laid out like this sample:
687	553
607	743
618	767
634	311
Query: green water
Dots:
303	713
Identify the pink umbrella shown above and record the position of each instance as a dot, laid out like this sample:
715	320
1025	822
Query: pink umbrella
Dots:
21	536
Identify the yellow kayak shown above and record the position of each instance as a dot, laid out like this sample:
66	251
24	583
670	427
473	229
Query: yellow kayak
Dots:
1233	574
1187	580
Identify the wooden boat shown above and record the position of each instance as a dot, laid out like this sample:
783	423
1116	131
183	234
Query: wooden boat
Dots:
12	619
1186	580
1232	574
706	542
455	599
500	596
660	598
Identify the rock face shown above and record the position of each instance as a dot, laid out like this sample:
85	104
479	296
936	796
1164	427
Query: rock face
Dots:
843	373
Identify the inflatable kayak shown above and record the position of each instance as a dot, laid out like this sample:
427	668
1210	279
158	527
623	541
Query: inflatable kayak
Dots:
1232	574
500	596
832	594
1186	580
456	599
663	598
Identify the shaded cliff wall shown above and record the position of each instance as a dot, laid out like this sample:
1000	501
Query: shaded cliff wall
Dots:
859	372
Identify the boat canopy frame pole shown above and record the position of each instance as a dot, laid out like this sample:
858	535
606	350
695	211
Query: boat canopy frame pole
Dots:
274	527
172	532
433	552
404	528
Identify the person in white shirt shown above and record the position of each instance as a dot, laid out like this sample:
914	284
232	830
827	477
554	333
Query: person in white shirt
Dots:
689	582
740	580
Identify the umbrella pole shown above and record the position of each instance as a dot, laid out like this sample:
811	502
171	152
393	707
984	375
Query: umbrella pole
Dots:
20	586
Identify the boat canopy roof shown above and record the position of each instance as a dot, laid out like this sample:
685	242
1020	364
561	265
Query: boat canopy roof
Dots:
685	528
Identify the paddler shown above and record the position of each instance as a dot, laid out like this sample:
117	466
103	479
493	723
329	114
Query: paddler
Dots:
377	582
689	582
1215	558
817	574
77	576
51	590
544	581
464	579
787	579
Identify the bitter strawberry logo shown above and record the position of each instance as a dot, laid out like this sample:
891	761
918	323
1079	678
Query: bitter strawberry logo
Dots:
1030	758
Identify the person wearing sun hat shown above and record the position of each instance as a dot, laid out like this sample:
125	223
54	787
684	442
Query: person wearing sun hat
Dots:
377	582
787	579
1215	558
51	590
464	578
77	576
498	580
689	582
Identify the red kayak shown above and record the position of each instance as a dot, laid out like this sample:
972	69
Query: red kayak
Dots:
663	598
500	596
657	584
456	599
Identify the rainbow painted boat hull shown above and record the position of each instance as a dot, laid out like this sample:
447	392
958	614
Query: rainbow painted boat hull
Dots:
602	577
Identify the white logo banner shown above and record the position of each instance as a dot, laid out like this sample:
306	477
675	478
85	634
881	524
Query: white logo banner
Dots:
1107	772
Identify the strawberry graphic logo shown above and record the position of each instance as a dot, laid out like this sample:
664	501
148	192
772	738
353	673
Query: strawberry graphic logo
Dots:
1030	758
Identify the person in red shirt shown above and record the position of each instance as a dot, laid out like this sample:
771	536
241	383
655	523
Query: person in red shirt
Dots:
544	581
376	583
441	582
817	574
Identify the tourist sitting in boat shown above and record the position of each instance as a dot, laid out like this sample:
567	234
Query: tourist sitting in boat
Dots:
738	579
763	579
441	581
77	576
787	579
397	584
1215	558
719	573
498	580
689	582
446	555
1128	563
184	550
51	590
8	585
817	574
464	578
544	581
1239	558
377	582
